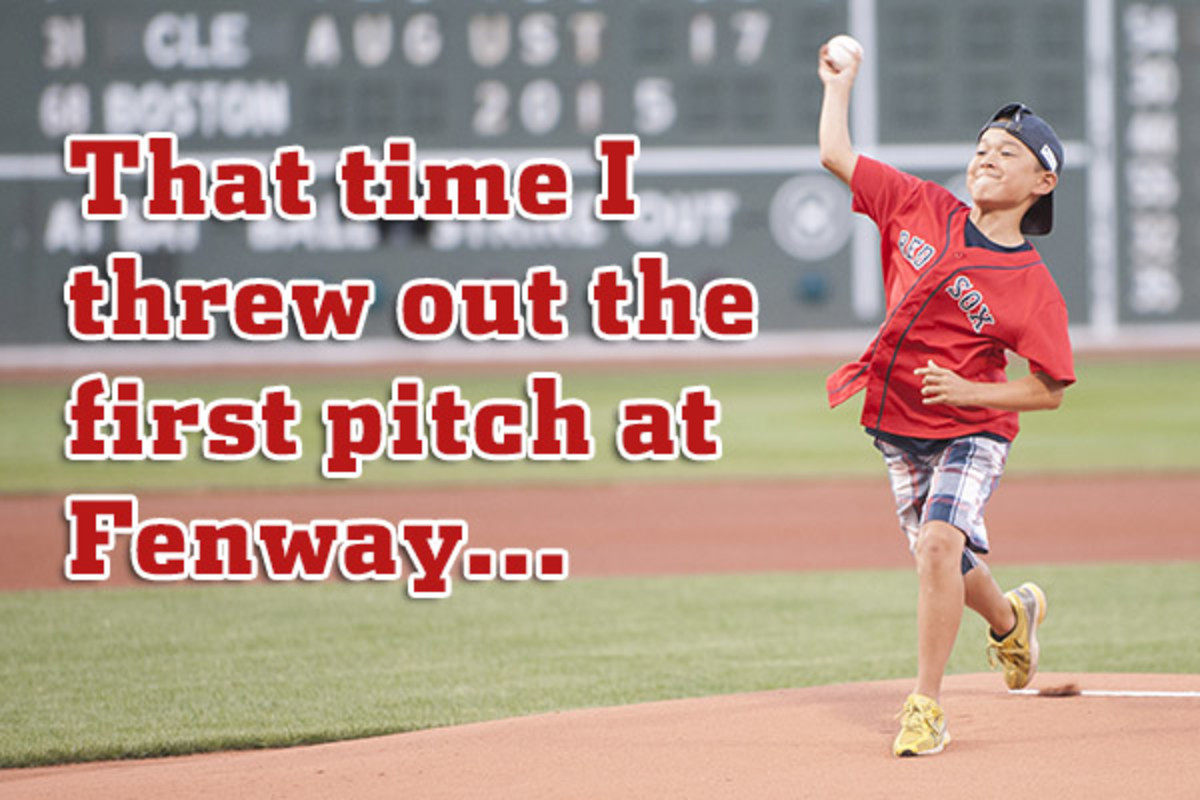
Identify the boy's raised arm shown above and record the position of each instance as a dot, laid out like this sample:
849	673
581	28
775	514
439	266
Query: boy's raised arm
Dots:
837	151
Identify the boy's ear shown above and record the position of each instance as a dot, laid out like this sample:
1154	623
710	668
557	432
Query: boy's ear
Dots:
1046	183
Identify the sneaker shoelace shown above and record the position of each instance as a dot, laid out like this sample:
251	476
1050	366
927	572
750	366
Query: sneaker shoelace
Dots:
997	655
912	718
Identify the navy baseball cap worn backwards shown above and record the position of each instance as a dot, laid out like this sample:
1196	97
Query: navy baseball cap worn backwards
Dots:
1036	134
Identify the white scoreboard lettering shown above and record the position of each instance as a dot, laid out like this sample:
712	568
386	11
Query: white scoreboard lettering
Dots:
193	42
492	74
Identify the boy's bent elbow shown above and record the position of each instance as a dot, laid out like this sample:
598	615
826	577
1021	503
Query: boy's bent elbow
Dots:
1053	391
840	163
830	160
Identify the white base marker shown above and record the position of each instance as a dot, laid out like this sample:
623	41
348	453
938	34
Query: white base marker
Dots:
1114	693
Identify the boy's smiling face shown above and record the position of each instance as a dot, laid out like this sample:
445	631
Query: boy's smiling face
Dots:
1004	173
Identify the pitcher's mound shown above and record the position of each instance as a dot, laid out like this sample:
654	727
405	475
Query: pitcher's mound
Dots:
830	741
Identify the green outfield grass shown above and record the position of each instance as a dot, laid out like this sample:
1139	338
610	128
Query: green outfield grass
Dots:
1138	414
111	673
91	674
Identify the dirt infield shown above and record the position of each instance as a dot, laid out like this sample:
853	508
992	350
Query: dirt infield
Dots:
821	742
679	528
825	742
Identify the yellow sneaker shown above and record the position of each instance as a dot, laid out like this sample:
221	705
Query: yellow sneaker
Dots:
923	729
1018	652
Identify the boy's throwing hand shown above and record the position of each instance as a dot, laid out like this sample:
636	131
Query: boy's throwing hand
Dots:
829	71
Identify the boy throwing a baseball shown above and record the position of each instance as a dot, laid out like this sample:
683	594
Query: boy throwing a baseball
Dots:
963	286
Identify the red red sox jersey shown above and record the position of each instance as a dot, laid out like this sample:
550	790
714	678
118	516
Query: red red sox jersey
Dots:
949	300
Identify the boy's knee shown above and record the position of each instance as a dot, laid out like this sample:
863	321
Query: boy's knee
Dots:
939	542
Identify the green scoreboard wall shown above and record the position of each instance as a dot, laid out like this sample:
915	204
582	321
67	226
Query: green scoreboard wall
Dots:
723	94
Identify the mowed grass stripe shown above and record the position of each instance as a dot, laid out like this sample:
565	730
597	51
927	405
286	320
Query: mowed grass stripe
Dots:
145	672
1123	415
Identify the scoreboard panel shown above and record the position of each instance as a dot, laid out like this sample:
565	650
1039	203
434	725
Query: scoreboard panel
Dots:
1159	148
464	74
723	93
949	66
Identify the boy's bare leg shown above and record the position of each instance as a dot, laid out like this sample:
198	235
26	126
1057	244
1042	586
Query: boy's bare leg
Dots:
983	595
939	602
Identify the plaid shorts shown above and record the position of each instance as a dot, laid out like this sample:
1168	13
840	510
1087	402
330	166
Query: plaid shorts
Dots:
951	484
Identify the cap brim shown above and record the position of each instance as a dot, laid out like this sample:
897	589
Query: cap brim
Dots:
1039	219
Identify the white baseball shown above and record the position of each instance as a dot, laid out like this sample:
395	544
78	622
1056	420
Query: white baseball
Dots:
843	50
